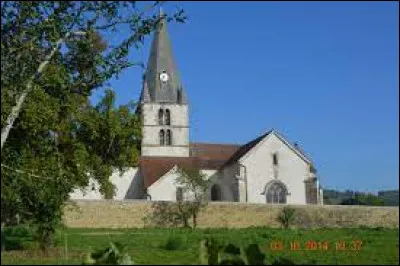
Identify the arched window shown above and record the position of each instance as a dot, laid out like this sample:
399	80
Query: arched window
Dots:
167	117
215	193
162	137
276	193
169	138
160	117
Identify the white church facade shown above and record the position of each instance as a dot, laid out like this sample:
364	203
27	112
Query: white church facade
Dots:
268	169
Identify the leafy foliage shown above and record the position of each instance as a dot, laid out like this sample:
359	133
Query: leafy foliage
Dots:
349	197
115	254
12	238
363	199
287	217
163	214
209	251
173	243
194	185
213	252
389	197
60	140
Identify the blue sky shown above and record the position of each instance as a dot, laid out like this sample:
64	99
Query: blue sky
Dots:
324	74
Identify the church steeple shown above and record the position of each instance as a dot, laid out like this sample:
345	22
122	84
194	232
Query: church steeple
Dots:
163	104
161	83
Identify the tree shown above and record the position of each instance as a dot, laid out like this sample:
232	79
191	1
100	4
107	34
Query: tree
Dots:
363	199
53	57
194	185
33	32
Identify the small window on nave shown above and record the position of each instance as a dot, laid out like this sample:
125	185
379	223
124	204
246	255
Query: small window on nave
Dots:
275	159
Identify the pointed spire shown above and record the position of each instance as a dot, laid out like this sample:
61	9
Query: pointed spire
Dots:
145	96
162	80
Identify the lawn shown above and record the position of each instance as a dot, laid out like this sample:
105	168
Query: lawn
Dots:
147	246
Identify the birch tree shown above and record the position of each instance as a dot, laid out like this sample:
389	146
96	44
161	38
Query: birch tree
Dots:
54	55
33	32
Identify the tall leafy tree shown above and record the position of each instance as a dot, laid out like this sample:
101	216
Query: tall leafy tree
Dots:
53	56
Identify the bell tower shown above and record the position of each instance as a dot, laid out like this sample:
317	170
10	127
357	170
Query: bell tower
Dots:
163	102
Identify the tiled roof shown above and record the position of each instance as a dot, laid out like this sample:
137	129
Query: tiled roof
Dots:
213	151
202	156
154	167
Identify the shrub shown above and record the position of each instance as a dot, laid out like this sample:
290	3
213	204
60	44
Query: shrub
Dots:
287	217
163	214
13	238
10	244
209	251
17	231
214	253
115	254
173	243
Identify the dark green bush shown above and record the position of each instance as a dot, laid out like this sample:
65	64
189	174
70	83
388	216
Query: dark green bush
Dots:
213	252
287	217
13	237
17	231
173	243
115	254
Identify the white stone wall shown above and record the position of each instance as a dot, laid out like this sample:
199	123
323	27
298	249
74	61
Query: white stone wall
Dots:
228	183
128	186
179	127
164	189
291	170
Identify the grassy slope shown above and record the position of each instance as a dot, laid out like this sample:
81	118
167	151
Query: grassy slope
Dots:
380	246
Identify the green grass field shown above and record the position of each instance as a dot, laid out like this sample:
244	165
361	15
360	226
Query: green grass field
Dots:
147	246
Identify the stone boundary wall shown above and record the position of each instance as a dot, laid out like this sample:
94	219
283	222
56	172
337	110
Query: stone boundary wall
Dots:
130	214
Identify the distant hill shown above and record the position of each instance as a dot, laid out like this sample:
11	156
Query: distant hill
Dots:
390	197
350	197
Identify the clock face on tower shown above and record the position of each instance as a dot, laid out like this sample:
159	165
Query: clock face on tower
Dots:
164	77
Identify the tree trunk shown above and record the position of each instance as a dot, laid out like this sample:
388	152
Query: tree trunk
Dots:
21	99
194	220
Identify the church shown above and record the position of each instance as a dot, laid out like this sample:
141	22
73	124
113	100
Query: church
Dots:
268	169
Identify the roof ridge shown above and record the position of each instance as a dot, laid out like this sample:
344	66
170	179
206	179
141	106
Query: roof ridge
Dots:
213	143
246	148
295	145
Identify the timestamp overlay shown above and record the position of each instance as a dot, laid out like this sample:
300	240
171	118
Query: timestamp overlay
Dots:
313	245
330	251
